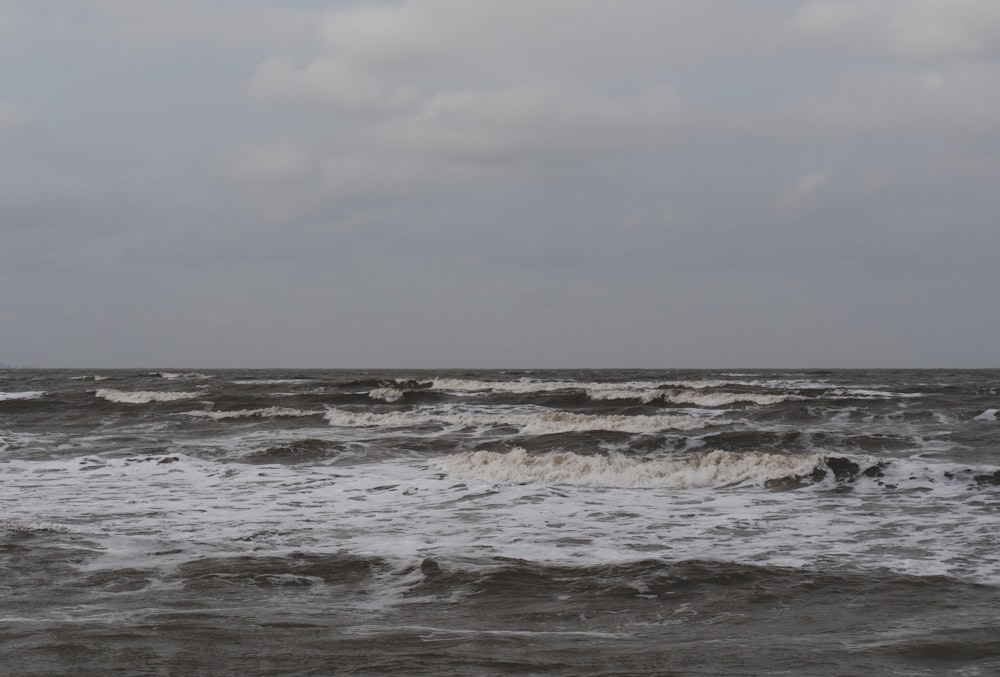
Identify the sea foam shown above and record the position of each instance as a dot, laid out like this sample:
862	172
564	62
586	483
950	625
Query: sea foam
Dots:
644	391
715	469
143	396
541	423
25	395
387	394
266	412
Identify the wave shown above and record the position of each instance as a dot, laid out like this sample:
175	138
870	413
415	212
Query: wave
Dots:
387	394
542	423
718	469
143	396
868	394
526	385
266	412
25	395
31	526
988	415
715	469
700	399
270	381
174	375
644	391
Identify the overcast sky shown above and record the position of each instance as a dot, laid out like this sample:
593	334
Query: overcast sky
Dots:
500	183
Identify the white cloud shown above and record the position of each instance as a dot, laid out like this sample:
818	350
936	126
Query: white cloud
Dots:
906	29
531	122
390	35
848	23
806	192
329	82
955	101
932	29
276	162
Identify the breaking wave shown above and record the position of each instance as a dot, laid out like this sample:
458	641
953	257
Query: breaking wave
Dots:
174	375
719	469
266	412
715	469
31	526
26	395
541	423
143	396
644	391
387	394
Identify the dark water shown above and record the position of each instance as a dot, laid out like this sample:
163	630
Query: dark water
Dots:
558	523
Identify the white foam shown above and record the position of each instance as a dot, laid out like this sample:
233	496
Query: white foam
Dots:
405	510
31	526
143	396
988	415
25	395
595	388
387	394
266	412
715	469
88	378
701	399
173	375
526	385
644	391
540	422
869	394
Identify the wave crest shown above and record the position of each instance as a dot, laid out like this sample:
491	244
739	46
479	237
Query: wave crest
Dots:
266	412
543	423
715	469
26	395
143	396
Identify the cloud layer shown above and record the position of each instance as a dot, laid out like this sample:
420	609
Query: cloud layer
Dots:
445	183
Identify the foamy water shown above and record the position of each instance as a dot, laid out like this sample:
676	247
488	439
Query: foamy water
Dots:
602	516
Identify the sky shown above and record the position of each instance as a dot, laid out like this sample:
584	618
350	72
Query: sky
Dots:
500	183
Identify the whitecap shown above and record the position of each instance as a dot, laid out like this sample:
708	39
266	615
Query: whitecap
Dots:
31	526
266	412
143	396
25	395
715	469
174	375
536	423
387	394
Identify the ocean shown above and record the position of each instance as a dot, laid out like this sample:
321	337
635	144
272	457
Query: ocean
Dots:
585	522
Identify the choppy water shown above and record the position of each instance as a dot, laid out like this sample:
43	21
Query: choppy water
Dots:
558	523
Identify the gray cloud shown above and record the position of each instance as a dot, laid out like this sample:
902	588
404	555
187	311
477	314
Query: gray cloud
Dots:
440	182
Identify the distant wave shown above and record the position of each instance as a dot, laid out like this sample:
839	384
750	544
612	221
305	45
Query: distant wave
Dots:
29	526
540	423
270	381
174	375
387	394
143	396
700	399
25	395
266	412
644	391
